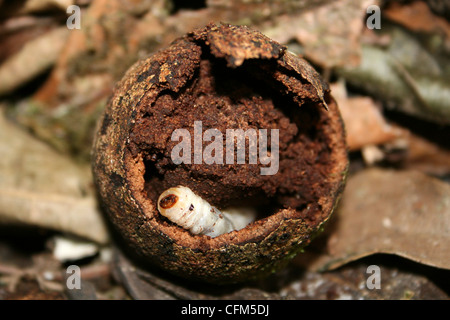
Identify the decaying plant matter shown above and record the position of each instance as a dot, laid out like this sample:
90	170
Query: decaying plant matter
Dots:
227	77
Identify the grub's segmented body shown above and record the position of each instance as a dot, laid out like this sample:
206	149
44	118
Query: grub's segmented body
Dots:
183	207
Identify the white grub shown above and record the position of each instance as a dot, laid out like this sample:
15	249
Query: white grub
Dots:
183	207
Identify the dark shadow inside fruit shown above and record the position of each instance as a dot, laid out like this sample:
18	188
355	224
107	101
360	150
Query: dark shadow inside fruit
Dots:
247	97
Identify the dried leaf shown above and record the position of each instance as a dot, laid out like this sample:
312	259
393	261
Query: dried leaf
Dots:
106	45
255	11
16	31
417	16
40	187
36	56
426	156
406	213
337	25
405	76
364	123
31	6
367	130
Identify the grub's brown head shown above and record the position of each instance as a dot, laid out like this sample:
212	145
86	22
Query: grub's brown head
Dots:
168	201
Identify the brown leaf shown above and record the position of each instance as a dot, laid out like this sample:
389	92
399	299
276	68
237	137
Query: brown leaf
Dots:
364	122
32	6
329	34
36	56
417	16
426	156
406	213
404	75
39	187
106	45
